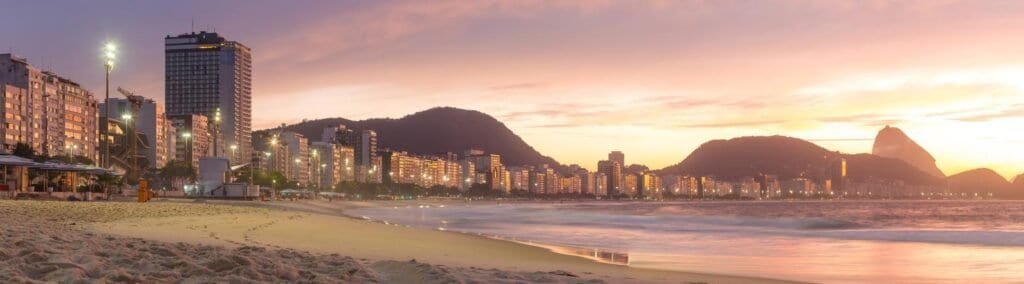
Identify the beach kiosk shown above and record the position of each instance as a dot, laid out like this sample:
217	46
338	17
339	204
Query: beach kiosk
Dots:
14	176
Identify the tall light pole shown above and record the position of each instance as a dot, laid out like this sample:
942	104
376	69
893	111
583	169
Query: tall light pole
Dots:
109	54
320	183
188	148
234	152
316	161
273	149
216	132
130	139
298	173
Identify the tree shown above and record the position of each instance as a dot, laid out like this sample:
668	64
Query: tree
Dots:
483	190
24	150
178	172
79	159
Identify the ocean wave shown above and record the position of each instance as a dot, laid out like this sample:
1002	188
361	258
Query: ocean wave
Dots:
722	222
615	223
966	237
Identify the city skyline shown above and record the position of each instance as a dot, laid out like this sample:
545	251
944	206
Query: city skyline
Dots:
675	78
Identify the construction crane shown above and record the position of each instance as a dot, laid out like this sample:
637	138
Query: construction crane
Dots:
129	156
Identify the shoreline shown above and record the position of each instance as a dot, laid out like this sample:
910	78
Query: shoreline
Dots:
301	225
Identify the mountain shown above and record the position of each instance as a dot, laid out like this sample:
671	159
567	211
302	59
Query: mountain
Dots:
787	158
1019	181
982	181
439	130
891	142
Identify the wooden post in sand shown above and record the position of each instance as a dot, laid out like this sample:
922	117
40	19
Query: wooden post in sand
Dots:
143	191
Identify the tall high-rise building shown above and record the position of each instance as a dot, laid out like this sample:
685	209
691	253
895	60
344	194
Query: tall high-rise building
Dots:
537	182
617	156
490	165
298	153
331	164
519	178
586	181
347	165
600	184
612	171
50	113
648	185
468	174
620	158
204	74
193	138
364	146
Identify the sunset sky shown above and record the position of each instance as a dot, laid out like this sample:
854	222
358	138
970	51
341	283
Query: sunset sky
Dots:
579	79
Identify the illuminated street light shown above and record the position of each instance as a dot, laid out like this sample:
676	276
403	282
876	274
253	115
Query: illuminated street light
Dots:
109	55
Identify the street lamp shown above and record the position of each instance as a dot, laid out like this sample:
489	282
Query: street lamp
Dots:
109	54
273	148
216	132
71	152
188	147
298	173
130	140
320	176
234	151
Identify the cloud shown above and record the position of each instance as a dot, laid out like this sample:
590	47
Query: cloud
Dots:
1016	111
519	86
732	124
385	21
553	125
840	139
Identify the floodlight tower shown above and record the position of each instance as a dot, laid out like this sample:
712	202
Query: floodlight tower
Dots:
109	54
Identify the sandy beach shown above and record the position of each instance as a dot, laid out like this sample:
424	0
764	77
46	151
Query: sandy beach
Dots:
274	242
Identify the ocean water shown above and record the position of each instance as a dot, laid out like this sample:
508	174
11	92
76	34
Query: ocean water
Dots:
821	241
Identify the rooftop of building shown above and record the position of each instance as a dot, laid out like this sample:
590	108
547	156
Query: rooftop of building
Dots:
12	57
202	37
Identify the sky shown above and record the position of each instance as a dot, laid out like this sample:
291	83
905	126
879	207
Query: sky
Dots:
577	79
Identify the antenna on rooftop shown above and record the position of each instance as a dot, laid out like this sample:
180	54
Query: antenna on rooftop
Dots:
193	24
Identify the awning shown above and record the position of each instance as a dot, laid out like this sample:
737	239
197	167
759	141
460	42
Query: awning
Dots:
12	160
237	167
62	167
